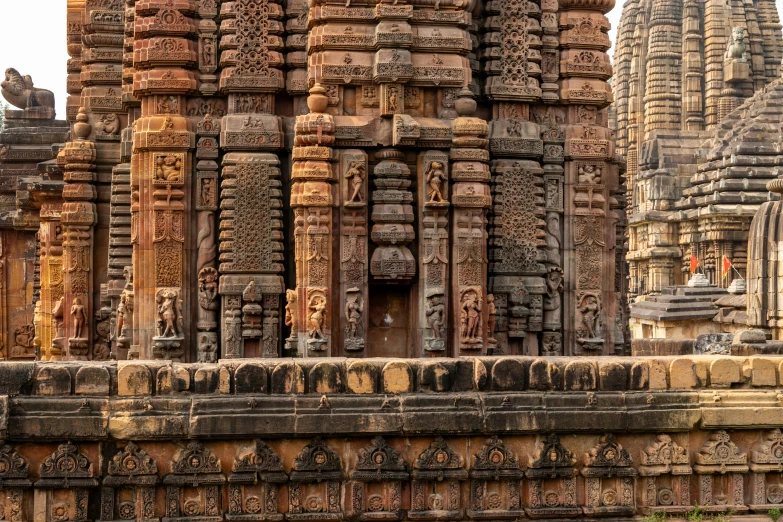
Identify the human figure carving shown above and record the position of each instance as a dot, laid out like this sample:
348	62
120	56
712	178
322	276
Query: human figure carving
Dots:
435	313
79	317
393	98
471	311
290	309
168	314
208	288
354	308
20	92
317	317
435	179
169	168
356	176
591	316
108	124
491	317
206	192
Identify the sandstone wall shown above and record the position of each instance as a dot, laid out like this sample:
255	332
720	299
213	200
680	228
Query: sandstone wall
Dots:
273	440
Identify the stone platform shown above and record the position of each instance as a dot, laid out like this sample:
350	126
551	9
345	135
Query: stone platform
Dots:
392	439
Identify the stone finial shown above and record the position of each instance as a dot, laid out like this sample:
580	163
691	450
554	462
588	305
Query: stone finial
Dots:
82	127
317	101
465	104
698	280
737	286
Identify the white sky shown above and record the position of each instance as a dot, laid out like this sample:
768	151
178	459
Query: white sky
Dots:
32	40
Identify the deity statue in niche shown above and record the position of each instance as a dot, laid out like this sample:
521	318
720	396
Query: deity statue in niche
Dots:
79	317
354	308
168	314
470	316
435	178
317	307
356	176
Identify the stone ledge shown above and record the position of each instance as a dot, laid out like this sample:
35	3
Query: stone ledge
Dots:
388	376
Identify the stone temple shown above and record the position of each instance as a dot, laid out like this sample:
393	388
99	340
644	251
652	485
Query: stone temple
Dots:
375	261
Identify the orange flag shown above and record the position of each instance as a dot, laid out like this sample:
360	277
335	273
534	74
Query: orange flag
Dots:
694	263
726	266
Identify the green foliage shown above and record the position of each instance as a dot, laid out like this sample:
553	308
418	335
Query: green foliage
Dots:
720	517
774	514
697	515
658	516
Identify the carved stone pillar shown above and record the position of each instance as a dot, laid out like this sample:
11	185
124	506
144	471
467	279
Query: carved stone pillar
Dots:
78	219
589	222
433	182
206	203
160	184
251	240
470	199
353	266
312	199
51	238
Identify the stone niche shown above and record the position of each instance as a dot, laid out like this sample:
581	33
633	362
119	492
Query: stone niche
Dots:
377	482
128	490
67	477
721	468
437	477
666	477
194	486
609	480
254	484
315	489
766	465
495	483
15	485
552	481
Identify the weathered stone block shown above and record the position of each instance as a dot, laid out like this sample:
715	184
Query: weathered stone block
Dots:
250	377
397	377
362	377
612	375
580	375
205	380
682	374
134	379
288	378
763	372
508	374
92	380
724	372
325	377
52	380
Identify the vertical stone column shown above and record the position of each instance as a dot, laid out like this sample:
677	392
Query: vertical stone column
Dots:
392	217
160	184
78	219
589	227
51	260
693	99
470	199
353	266
251	240
312	200
206	204
74	36
433	182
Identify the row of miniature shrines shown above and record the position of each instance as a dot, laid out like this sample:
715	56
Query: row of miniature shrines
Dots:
379	481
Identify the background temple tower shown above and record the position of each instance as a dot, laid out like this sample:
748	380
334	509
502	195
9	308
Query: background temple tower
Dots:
681	68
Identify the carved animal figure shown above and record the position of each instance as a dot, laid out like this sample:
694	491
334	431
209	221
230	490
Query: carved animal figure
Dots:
20	92
737	46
